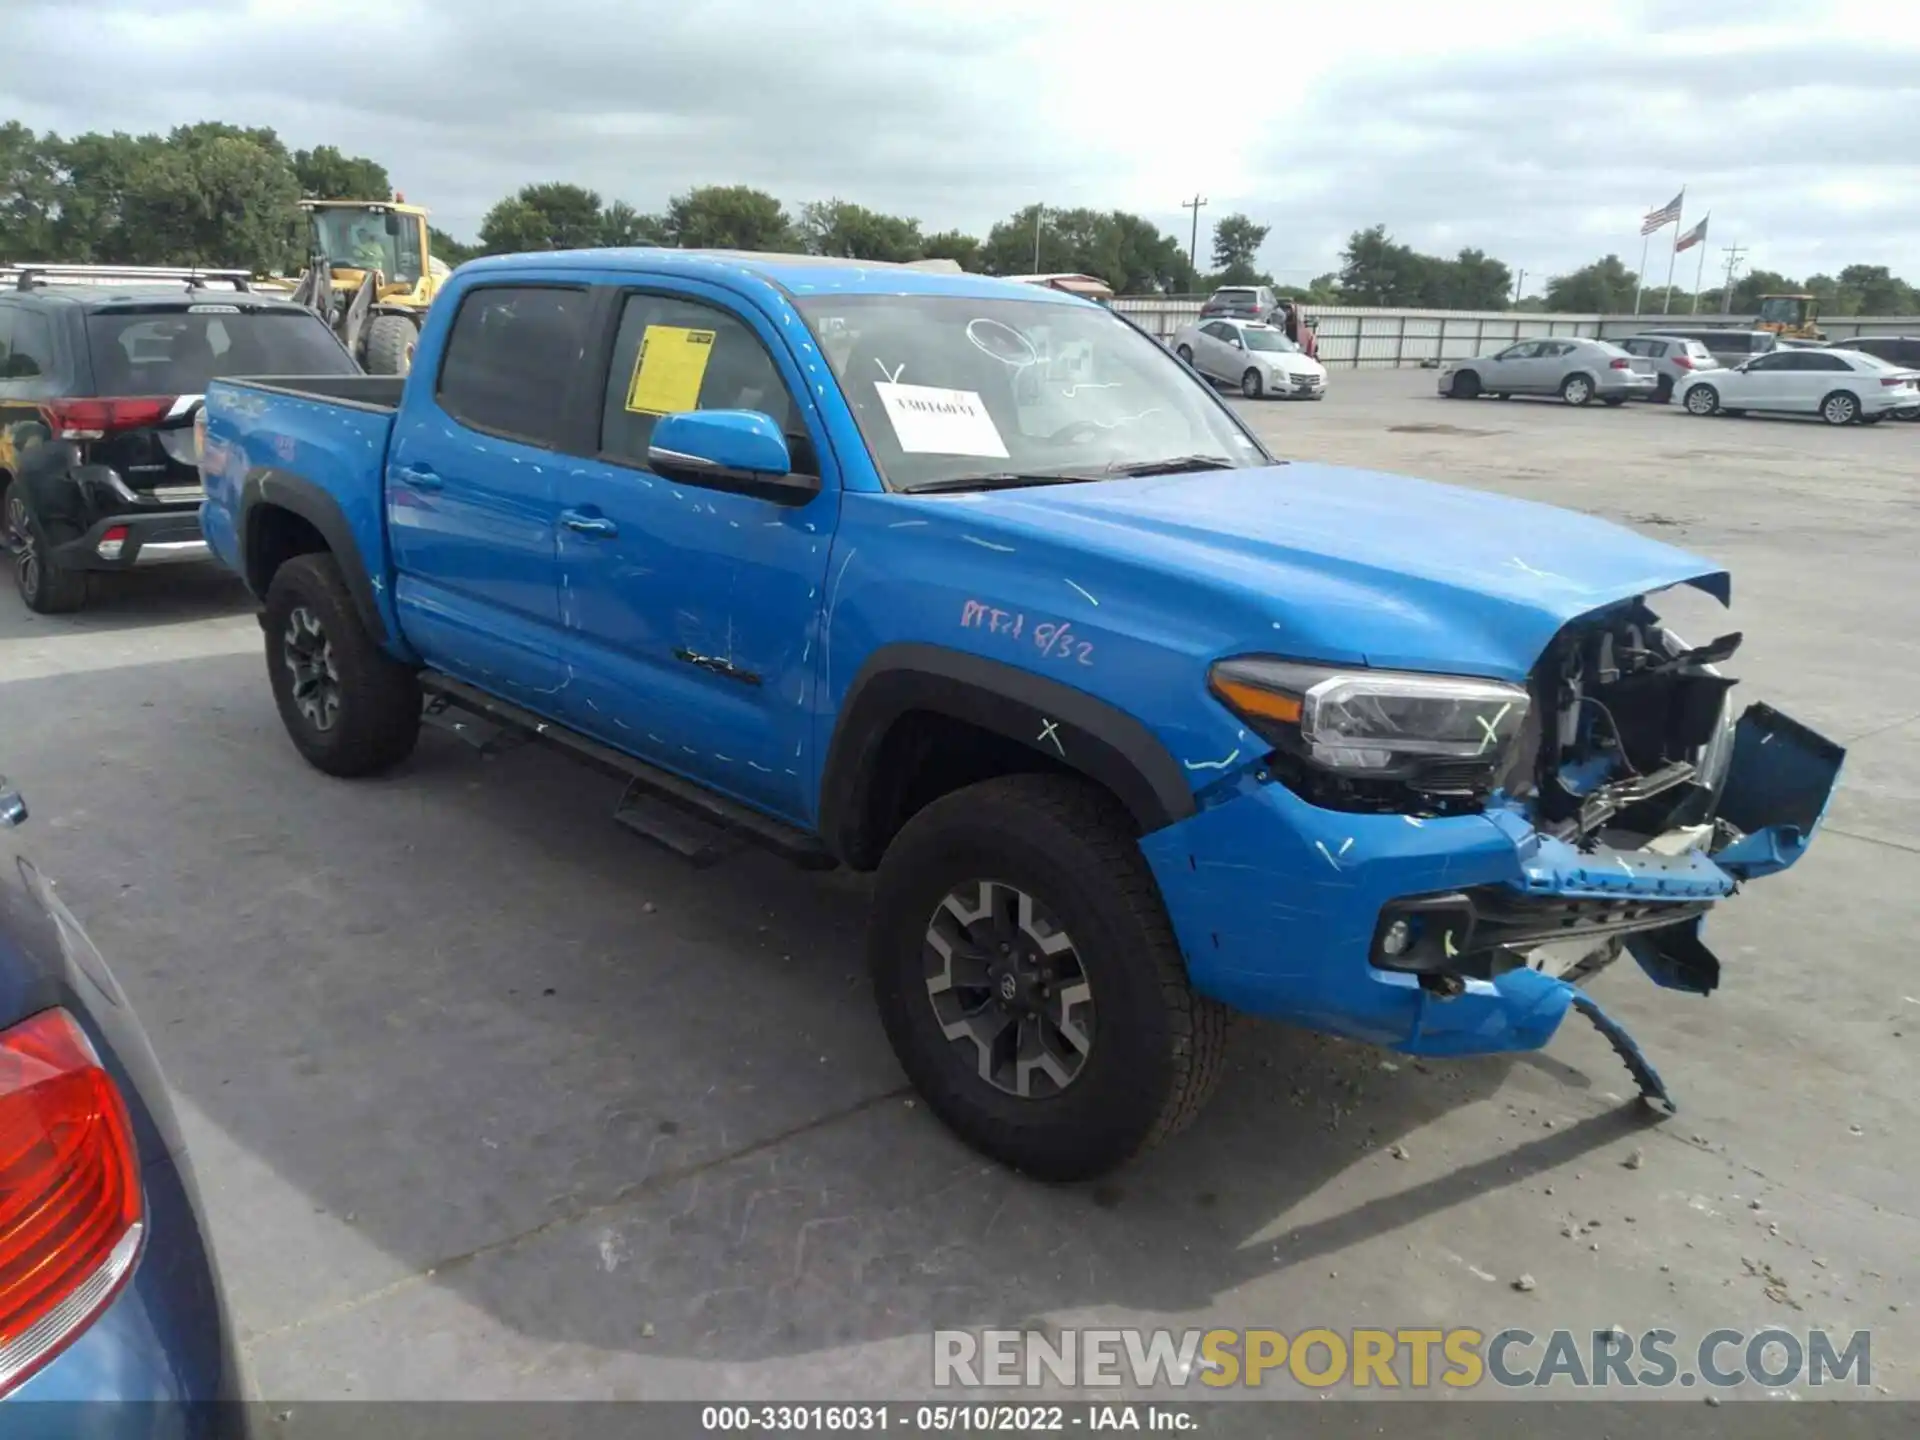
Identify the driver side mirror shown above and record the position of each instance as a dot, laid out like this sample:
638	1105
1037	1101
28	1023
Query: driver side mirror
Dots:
1238	343
739	450
13	809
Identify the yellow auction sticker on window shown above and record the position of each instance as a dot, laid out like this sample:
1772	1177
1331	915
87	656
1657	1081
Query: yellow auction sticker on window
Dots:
668	370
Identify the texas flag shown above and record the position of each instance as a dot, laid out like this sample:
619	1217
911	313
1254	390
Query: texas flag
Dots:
1692	237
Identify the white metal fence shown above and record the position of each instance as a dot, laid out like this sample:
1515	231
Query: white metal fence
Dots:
1362	337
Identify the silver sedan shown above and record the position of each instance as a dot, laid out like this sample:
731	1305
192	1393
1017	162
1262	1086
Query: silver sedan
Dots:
1578	371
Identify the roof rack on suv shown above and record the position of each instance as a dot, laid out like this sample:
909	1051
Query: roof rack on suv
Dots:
31	276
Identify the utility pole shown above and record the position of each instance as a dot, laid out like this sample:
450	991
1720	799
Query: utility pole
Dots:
1039	212
1196	205
1733	254
1519	285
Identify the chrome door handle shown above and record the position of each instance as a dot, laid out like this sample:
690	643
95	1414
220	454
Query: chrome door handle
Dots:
597	526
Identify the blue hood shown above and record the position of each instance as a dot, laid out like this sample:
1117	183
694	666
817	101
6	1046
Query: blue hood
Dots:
1348	566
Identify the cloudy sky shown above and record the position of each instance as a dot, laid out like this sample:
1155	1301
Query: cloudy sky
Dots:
1538	132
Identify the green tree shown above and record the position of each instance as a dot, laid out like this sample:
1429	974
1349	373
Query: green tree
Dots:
1376	270
1605	287
445	247
1748	289
212	195
839	227
728	217
1131	254
553	216
962	249
29	192
1236	248
624	225
1876	291
326	174
1473	280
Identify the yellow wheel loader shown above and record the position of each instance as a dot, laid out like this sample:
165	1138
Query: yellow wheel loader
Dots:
1793	317
371	276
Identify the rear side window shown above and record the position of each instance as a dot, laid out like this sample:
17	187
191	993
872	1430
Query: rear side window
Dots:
30	355
511	354
150	350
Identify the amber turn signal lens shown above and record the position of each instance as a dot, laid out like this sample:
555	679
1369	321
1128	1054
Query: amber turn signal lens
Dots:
1251	701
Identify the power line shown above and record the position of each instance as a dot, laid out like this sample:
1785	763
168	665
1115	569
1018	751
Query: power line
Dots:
1196	204
1734	254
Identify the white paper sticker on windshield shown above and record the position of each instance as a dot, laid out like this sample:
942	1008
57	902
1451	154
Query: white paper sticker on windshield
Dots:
931	421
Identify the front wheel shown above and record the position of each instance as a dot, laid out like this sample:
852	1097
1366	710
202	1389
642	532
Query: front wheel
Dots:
1030	982
349	707
1251	385
1465	386
1840	408
1576	389
1702	400
1185	353
390	343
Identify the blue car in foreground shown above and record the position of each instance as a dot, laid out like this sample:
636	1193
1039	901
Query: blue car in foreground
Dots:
972	584
109	1294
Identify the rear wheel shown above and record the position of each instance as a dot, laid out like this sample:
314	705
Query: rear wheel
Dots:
46	588
1702	400
1029	980
1871	419
1614	400
1465	386
390	342
1840	408
349	708
1576	389
1251	385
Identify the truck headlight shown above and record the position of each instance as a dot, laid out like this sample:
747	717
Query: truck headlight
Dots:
1381	723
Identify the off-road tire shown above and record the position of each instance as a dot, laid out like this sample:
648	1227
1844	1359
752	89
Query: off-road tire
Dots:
45	588
390	343
377	720
1158	1048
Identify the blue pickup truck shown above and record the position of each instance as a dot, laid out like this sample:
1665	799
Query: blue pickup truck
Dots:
972	584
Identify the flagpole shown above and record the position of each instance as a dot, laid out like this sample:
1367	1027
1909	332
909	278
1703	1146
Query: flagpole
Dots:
1640	280
1699	274
1679	219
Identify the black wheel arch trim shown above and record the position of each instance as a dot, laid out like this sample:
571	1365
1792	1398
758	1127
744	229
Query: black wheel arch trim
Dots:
1066	725
266	487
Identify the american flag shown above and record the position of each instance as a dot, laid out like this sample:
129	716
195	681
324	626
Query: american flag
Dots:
1667	214
1692	238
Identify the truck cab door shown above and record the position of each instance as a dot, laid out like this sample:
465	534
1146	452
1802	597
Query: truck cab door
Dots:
691	610
472	503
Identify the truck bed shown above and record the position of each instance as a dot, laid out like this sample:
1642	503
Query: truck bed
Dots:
369	392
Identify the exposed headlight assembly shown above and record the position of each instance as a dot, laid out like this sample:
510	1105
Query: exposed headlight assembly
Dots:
1377	724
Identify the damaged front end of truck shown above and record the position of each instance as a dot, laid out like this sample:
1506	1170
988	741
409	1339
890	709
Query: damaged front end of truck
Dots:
1490	846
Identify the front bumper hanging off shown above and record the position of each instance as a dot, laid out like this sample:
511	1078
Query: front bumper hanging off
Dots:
1284	909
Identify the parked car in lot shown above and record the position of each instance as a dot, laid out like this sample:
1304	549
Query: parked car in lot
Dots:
1136	724
1241	302
1729	347
1260	359
1840	386
1578	371
1669	359
108	1289
1900	350
101	373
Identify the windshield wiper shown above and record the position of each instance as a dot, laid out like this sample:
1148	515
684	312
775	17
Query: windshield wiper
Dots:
1003	480
1173	466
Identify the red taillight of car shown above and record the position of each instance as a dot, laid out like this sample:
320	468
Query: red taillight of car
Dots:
1683	362
70	1203
98	418
1896	379
1622	365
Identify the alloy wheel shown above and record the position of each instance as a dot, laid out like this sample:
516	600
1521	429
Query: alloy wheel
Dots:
1008	989
308	655
26	554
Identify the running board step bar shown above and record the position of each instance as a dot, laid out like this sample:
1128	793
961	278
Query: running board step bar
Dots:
687	818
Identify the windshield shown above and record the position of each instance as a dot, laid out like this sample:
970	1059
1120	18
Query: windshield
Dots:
945	388
176	351
1781	309
1268	340
353	237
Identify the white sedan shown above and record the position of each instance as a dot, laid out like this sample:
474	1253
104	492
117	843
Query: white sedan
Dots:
1840	386
1258	358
